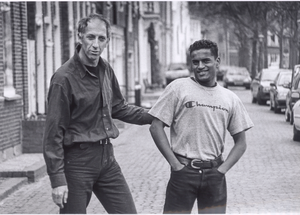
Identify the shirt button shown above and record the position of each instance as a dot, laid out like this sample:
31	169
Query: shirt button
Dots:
107	129
104	114
200	171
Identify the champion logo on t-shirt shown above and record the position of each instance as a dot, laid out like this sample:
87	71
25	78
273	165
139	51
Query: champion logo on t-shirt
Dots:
193	104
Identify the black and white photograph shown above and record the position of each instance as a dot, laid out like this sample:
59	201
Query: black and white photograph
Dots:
149	107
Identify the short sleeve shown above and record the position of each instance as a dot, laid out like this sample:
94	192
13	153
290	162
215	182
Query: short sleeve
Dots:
165	106
240	119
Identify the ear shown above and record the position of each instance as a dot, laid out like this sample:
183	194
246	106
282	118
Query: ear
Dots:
218	59
80	37
107	42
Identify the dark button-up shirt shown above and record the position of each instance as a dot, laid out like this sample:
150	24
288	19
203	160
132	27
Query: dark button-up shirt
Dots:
77	113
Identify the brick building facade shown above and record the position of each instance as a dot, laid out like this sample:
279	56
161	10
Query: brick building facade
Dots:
13	84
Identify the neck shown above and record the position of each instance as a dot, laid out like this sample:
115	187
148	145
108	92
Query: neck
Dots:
86	61
206	84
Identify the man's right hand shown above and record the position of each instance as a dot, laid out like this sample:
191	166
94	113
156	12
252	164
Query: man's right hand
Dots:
178	167
60	195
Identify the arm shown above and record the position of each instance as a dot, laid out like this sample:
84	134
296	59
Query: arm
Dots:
123	111
160	138
56	123
236	152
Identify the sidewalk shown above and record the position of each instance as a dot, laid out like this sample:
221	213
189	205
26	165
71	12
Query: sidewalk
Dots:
28	168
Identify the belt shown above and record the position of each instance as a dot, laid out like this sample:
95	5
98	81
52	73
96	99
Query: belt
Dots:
199	164
86	144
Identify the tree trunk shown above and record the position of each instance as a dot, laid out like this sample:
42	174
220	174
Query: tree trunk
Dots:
254	56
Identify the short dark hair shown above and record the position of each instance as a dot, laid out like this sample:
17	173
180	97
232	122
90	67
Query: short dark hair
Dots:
83	23
205	44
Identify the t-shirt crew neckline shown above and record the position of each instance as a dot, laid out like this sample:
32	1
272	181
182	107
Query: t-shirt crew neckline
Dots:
204	87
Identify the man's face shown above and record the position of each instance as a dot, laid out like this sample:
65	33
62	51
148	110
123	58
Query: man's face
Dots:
93	41
204	65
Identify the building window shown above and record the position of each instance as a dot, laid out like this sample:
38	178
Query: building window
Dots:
149	7
9	90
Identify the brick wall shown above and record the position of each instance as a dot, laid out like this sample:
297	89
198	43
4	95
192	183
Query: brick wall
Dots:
1	64
11	111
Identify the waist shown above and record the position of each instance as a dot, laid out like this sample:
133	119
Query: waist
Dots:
84	145
200	164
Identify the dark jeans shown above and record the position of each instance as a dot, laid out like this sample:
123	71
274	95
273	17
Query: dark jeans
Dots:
185	186
91	167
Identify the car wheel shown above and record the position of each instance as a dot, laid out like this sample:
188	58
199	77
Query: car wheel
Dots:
291	118
296	134
260	101
287	115
271	105
276	109
254	100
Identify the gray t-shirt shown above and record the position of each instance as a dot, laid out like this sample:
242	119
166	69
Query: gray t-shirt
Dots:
199	116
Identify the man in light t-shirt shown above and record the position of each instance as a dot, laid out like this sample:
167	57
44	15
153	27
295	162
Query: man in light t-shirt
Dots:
199	112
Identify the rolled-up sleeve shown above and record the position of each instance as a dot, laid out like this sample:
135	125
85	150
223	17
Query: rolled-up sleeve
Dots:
58	118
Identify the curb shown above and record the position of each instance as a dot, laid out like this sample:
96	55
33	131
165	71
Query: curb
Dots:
20	170
9	185
32	173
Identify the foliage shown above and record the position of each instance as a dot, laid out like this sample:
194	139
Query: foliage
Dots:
249	19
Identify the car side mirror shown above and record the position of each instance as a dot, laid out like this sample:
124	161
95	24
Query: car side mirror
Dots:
273	85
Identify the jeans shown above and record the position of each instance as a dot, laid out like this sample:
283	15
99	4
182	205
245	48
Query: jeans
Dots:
208	186
91	167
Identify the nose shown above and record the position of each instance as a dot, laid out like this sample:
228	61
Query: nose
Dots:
95	43
201	65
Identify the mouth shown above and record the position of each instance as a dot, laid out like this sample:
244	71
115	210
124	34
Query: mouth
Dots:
202	72
95	52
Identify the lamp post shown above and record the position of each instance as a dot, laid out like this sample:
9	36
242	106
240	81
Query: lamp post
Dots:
260	56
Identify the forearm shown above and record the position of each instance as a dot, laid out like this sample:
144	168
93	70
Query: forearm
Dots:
235	154
132	114
54	158
160	138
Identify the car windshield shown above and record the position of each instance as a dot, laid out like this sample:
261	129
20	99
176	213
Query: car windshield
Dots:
177	67
268	75
284	79
238	72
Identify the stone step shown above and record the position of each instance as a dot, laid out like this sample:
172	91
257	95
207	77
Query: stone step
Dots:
31	165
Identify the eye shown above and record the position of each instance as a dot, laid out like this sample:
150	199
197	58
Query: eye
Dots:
102	39
90	37
195	62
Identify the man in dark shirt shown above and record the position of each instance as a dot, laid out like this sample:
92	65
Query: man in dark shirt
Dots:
84	96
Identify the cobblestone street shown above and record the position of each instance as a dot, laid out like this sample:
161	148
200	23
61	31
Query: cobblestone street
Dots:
265	180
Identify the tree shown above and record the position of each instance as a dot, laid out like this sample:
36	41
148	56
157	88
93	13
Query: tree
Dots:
248	18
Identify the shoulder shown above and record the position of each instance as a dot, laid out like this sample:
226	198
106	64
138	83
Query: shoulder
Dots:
227	92
64	72
180	82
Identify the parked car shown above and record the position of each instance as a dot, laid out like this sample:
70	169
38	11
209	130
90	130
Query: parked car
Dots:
221	71
260	85
279	90
292	97
237	76
176	70
296	121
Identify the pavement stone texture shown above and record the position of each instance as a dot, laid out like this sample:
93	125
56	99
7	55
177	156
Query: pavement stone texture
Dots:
264	181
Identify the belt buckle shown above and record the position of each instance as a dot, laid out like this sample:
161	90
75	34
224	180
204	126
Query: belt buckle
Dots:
195	160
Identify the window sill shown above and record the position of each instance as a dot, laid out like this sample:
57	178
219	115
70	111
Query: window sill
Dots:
10	94
12	97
